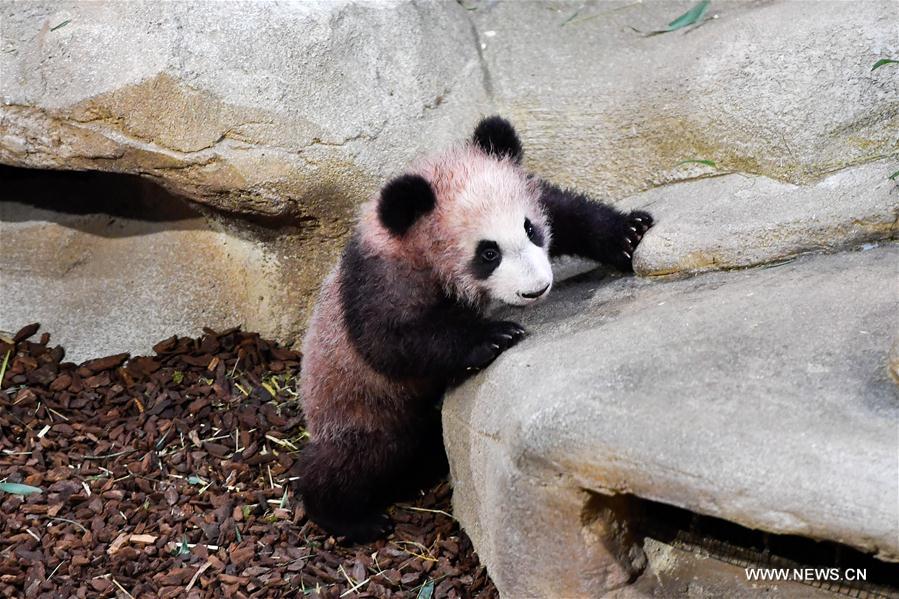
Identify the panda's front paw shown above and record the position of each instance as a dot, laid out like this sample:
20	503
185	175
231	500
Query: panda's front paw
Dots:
635	225
498	337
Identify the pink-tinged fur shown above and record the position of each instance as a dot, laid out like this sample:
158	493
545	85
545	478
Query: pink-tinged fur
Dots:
340	391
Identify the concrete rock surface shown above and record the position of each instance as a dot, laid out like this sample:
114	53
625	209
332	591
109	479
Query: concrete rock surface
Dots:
260	108
761	396
304	107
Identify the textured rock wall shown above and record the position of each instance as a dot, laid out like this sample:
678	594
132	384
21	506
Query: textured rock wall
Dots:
269	108
762	396
289	114
781	89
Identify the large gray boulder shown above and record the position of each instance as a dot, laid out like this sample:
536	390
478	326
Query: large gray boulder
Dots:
762	397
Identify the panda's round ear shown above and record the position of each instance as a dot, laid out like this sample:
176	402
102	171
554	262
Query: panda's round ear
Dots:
403	201
496	136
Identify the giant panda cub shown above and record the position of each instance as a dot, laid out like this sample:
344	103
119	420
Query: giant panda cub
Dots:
403	315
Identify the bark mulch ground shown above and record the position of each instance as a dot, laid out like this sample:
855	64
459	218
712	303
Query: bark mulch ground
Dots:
169	476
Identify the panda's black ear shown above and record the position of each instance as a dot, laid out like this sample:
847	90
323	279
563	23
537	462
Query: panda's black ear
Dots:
495	135
403	201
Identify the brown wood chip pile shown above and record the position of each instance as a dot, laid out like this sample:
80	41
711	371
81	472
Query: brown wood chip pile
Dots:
169	476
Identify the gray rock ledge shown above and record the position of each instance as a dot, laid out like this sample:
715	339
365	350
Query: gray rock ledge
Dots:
759	396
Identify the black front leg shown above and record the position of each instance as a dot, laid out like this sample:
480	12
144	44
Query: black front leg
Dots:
401	338
591	229
446	341
452	348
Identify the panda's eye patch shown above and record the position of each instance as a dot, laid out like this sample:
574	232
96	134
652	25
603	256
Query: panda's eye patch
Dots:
486	259
533	233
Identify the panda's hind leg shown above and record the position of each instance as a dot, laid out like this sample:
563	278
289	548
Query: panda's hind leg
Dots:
341	484
427	463
348	482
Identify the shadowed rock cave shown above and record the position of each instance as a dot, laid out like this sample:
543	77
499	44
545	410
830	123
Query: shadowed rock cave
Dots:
113	262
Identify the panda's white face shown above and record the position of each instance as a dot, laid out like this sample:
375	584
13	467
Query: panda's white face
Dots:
487	238
511	261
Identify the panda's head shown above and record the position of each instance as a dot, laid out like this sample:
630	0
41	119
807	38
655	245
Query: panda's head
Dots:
473	215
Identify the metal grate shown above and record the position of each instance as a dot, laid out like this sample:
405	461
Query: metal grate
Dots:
731	543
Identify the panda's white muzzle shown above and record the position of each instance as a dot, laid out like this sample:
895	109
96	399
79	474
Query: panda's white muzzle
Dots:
523	277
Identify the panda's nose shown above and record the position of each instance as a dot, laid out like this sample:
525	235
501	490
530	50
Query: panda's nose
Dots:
534	294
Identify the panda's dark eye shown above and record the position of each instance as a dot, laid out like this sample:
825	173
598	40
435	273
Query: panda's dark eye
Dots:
534	234
489	255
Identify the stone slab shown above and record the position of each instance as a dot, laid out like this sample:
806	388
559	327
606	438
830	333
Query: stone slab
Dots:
735	221
103	283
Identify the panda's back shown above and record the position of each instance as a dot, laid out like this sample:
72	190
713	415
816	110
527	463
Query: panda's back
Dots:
340	391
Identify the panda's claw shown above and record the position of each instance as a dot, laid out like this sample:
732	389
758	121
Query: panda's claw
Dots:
499	336
517	330
635	225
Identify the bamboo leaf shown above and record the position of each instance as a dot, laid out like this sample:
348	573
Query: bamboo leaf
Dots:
710	163
3	367
882	62
426	591
689	17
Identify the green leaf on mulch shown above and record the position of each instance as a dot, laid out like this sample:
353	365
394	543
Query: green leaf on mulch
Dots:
19	489
710	163
426	591
689	17
894	176
882	62
183	549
